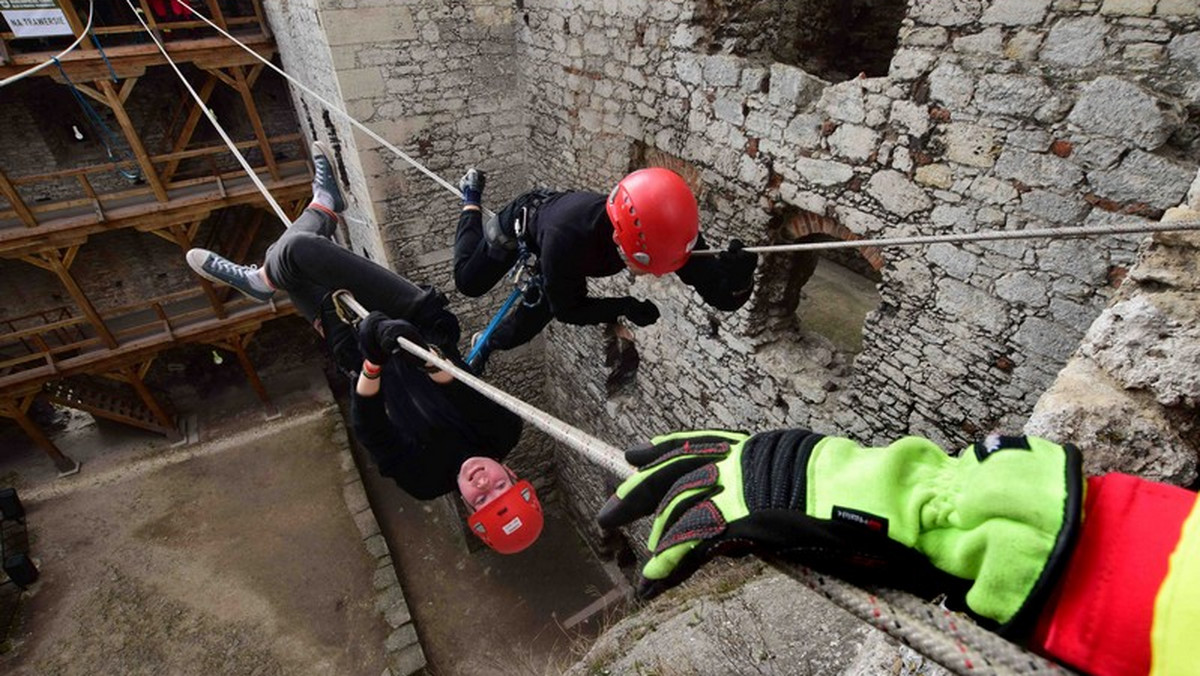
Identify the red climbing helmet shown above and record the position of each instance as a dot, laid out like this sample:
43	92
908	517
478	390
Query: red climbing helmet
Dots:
655	220
512	521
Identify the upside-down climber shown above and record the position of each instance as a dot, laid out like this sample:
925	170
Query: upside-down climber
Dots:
426	430
1100	573
648	224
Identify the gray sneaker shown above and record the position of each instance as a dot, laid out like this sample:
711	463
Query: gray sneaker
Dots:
217	268
325	185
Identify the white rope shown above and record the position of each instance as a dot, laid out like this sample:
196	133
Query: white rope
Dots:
1033	233
336	110
606	455
24	74
287	222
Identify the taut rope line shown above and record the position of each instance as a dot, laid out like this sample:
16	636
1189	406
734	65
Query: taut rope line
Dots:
335	109
213	119
86	29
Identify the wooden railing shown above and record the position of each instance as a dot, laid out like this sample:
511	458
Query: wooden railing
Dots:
28	213
114	24
69	335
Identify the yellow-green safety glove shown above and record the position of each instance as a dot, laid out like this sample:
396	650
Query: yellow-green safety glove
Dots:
996	523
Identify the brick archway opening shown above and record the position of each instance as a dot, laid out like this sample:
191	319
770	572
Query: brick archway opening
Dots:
828	292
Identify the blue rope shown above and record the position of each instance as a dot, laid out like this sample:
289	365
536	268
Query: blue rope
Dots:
112	73
106	135
491	327
523	289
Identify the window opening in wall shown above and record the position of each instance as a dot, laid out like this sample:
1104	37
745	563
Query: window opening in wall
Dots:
828	292
832	39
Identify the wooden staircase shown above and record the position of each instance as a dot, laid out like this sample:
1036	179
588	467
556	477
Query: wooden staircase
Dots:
111	400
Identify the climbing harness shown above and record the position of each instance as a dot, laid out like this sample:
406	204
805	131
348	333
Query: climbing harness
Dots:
114	150
54	59
525	275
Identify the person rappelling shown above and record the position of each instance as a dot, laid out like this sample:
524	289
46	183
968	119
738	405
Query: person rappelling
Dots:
648	224
424	429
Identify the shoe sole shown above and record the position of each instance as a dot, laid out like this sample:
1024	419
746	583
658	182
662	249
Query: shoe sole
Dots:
198	269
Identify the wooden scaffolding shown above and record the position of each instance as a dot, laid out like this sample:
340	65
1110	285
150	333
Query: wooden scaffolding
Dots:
97	359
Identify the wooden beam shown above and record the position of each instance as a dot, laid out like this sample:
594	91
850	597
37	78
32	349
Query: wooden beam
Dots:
237	344
18	204
134	140
133	59
17	411
84	89
223	77
60	267
160	414
262	20
255	70
127	88
151	20
215	13
189	126
252	111
72	17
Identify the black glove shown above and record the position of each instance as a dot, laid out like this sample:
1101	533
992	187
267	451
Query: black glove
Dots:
999	518
471	185
377	336
738	266
340	337
437	323
642	312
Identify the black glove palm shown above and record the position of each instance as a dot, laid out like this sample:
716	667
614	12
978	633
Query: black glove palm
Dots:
642	312
377	336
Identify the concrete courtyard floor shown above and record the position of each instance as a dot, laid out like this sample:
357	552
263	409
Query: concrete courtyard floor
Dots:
235	554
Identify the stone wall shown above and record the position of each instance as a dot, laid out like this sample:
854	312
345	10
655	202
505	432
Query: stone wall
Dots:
1007	116
1130	395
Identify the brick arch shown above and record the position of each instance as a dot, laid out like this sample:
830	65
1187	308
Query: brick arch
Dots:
805	224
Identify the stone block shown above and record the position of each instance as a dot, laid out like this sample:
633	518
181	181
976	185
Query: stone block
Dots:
824	172
1075	41
721	70
935	175
1010	94
1046	338
973	305
1023	287
401	638
897	194
945	12
1127	7
1178	8
854	142
729	110
1016	12
355	497
367	25
910	64
933	36
360	83
957	263
1114	107
791	87
408	661
1146	178
970	144
1053	207
951	85
366	523
844	101
911	117
376	546
989	42
1038	169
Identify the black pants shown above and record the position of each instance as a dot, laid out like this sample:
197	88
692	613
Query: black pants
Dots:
479	266
308	265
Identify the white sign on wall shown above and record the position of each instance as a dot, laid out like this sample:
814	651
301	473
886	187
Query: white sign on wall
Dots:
34	18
